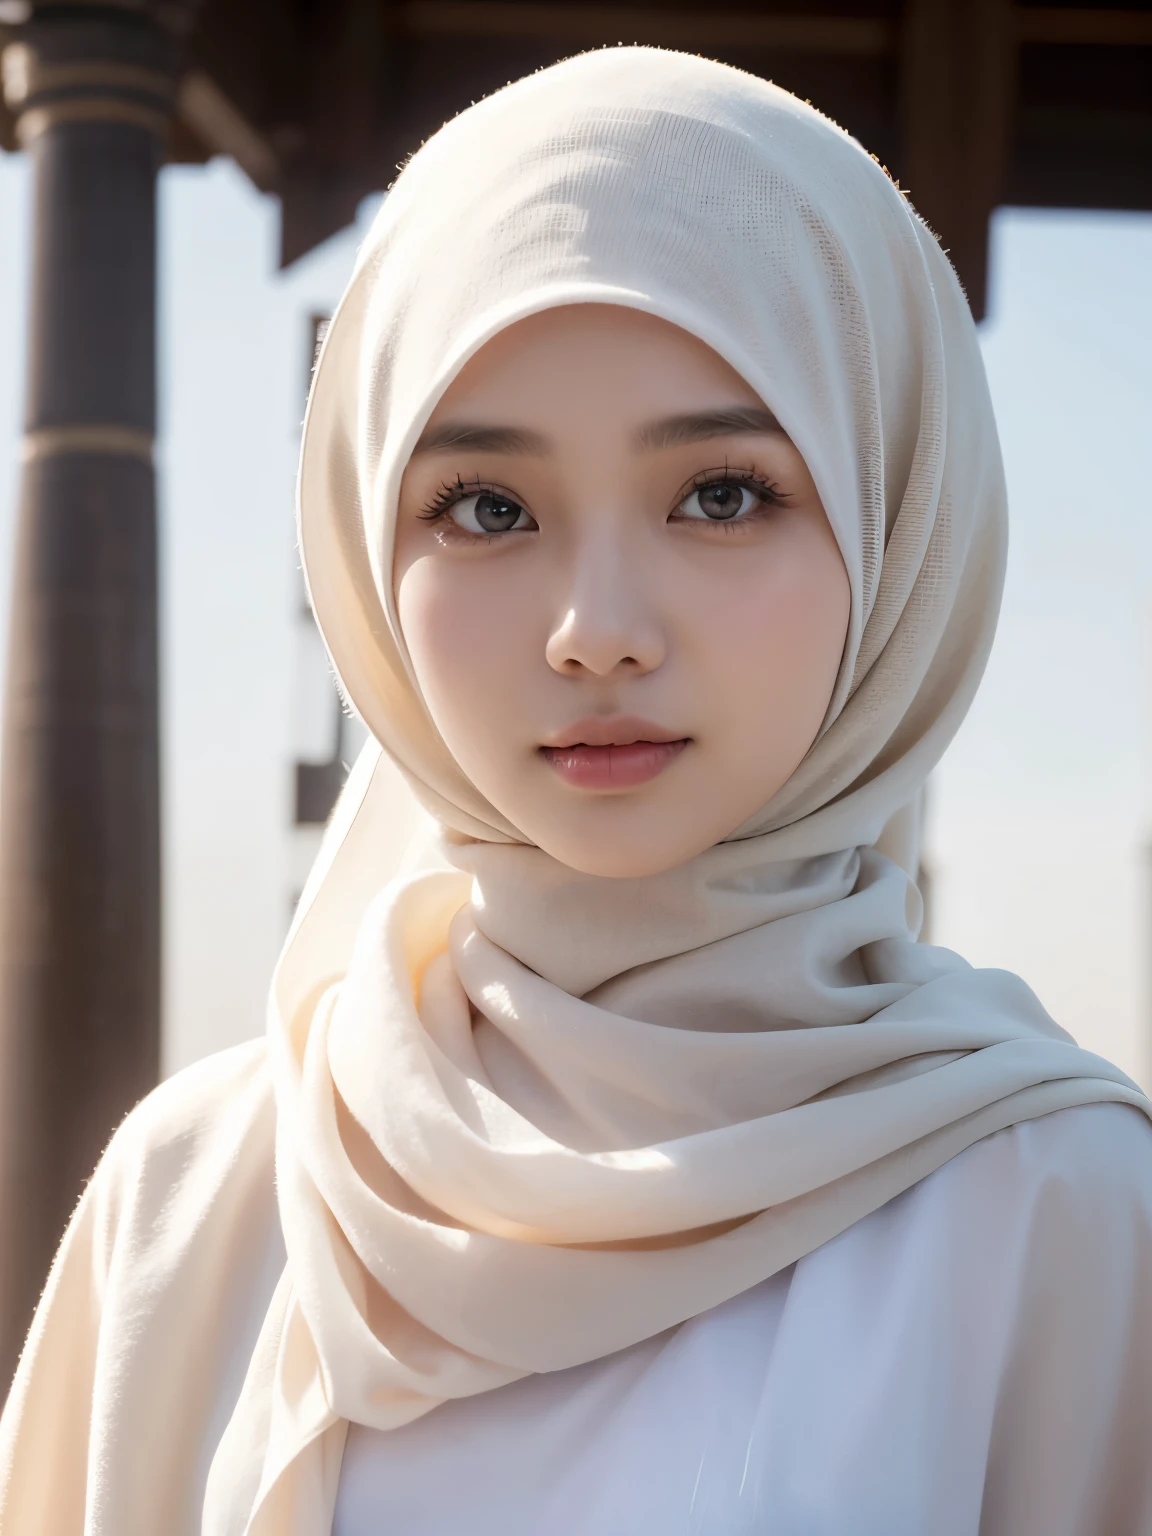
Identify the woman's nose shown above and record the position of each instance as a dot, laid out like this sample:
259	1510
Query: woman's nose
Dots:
606	625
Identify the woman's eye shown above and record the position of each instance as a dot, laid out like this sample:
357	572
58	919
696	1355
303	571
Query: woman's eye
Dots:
719	502
489	512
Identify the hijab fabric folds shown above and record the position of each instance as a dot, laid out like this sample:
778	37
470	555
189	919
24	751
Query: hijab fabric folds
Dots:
526	1117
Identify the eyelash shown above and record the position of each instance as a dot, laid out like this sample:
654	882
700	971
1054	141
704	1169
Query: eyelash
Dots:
769	495
449	494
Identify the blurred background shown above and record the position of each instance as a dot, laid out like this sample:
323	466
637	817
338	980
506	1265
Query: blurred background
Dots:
188	183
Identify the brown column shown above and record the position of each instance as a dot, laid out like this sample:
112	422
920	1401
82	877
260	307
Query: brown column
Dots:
79	777
957	82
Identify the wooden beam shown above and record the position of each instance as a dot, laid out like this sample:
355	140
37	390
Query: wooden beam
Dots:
349	90
957	82
1079	26
224	130
593	25
315	203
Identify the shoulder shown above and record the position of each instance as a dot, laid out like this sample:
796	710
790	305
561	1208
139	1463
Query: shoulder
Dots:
1086	1156
1059	1283
993	1320
201	1140
215	1101
159	1286
1067	1193
1044	1228
196	1101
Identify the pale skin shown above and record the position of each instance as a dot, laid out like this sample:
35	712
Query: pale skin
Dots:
621	595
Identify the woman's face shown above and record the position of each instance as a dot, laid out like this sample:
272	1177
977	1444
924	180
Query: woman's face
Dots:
623	601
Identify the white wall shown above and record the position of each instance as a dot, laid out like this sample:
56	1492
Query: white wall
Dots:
1041	810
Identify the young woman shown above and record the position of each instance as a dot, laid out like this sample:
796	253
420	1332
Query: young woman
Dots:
624	1166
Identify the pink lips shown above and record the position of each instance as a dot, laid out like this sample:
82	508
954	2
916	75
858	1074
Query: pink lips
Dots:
612	752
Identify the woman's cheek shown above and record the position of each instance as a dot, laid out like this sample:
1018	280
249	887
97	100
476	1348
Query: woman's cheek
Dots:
771	643
466	630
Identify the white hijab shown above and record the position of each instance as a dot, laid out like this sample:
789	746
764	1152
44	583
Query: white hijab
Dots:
527	1117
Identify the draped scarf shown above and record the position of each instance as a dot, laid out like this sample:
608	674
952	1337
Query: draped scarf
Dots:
527	1117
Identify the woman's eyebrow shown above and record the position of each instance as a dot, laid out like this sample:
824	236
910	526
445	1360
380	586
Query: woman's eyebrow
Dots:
697	426
478	436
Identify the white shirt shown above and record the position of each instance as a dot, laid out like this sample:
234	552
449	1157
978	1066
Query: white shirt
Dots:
933	1371
973	1359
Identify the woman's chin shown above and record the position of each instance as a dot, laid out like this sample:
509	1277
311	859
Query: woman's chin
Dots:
617	864
612	849
627	835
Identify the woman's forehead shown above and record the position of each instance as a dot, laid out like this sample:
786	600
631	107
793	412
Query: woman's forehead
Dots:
600	350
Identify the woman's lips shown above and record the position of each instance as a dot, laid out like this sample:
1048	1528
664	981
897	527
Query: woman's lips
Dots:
614	753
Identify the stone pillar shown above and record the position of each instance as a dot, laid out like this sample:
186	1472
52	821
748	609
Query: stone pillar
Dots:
79	766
